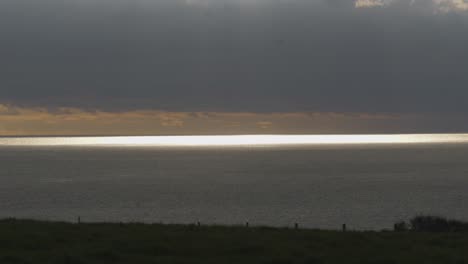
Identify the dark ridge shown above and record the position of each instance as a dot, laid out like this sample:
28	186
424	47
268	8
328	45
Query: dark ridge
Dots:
29	241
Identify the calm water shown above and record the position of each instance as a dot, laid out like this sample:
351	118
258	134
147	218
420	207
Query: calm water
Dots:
367	186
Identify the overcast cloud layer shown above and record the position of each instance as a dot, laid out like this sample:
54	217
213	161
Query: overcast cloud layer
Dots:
341	56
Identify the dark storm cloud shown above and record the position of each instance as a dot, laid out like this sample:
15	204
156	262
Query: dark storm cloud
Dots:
236	55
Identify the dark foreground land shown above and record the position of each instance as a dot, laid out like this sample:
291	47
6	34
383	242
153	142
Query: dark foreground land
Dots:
24	241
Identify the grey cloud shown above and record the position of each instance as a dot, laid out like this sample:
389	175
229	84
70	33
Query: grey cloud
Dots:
234	55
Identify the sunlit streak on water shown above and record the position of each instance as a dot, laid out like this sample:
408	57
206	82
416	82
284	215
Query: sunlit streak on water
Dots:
235	140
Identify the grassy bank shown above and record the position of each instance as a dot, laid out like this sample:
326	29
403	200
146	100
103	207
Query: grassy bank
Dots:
24	241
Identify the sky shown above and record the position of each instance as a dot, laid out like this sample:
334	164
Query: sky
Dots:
163	67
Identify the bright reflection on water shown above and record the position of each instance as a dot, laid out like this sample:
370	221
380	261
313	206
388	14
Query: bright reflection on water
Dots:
236	140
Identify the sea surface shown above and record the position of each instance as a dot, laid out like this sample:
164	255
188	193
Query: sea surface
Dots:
365	185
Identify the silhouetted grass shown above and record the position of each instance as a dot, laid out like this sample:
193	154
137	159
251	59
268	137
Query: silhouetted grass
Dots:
25	241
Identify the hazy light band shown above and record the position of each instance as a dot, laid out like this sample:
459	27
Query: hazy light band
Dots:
236	140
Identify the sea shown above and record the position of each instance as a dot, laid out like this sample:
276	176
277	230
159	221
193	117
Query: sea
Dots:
366	182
